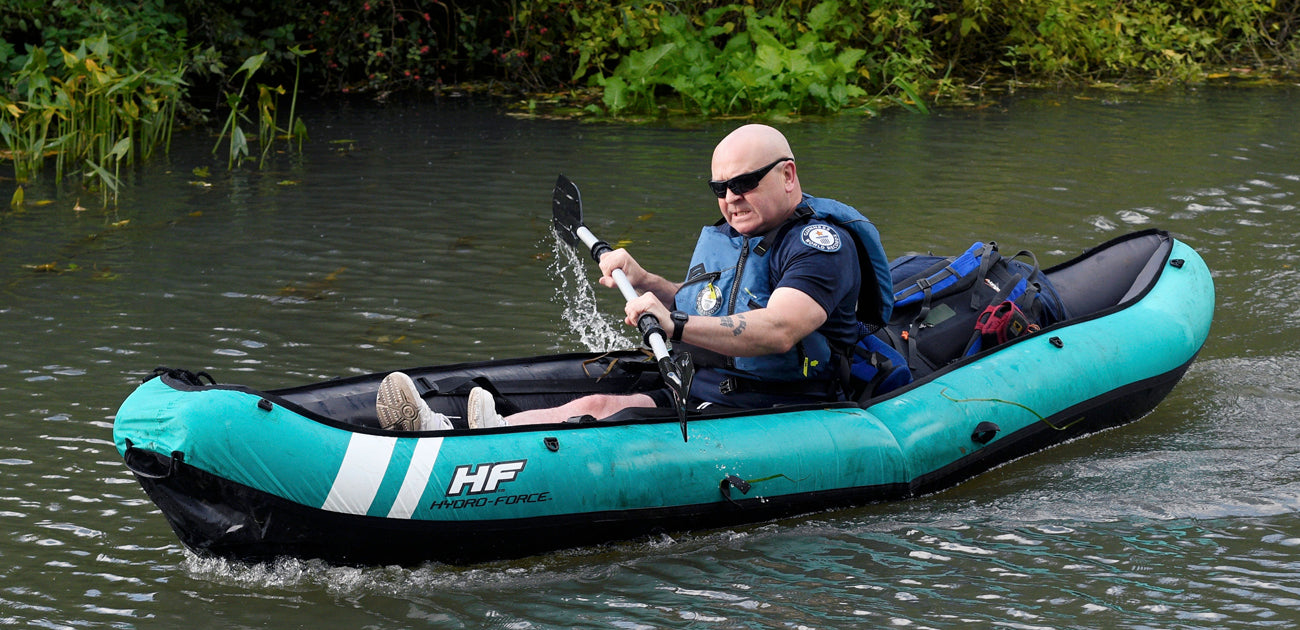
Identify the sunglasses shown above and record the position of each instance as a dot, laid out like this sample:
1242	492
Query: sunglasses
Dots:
743	182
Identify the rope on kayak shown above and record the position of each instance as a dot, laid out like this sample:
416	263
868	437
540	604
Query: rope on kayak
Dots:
185	376
1045	421
944	393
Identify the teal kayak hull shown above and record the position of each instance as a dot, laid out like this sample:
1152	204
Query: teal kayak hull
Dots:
249	474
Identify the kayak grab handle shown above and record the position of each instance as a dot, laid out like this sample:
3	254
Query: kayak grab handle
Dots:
733	481
984	432
149	464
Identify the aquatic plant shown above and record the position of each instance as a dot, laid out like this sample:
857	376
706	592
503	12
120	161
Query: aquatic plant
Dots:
98	91
267	100
93	113
297	129
231	131
25	120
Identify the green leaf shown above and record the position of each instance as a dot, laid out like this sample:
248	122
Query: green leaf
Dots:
849	58
770	59
914	102
104	176
120	149
615	96
252	64
238	143
819	92
642	63
822	15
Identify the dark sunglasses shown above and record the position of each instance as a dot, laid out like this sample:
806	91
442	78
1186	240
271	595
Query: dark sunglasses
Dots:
743	182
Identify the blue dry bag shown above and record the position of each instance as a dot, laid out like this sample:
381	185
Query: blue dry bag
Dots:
875	368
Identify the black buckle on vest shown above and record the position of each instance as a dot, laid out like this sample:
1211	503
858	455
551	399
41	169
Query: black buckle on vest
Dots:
727	385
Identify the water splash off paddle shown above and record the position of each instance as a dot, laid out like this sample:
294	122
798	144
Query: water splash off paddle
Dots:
596	331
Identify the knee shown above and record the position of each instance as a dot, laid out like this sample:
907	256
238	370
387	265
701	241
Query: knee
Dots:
603	405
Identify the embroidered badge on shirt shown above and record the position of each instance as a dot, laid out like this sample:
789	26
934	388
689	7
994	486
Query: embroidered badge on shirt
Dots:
818	236
708	301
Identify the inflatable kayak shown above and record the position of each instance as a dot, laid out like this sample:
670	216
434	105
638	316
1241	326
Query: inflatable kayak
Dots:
306	471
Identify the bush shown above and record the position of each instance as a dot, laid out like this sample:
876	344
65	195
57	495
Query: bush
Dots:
382	46
709	57
753	70
362	45
1105	39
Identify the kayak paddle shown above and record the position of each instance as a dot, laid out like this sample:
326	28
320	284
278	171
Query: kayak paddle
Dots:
566	205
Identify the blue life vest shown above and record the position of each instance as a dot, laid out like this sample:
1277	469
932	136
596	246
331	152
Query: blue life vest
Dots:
874	308
729	273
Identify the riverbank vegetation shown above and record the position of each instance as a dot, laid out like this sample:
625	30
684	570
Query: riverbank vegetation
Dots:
94	85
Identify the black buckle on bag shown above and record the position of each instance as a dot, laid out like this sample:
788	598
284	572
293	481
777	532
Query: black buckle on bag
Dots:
727	385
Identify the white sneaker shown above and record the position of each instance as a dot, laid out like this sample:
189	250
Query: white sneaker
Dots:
400	407
483	410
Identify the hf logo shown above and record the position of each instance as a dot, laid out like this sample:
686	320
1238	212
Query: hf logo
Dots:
474	479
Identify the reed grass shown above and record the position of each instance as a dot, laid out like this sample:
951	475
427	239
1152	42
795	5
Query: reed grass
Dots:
93	113
268	129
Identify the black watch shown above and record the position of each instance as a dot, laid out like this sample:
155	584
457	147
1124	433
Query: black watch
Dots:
679	324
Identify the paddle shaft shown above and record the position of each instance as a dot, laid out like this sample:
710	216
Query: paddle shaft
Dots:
678	372
648	324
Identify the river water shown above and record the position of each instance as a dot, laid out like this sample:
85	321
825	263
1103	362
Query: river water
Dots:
418	234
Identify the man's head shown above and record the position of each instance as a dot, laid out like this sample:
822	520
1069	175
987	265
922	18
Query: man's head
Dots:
737	164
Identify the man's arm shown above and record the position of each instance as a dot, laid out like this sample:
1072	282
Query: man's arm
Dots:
790	316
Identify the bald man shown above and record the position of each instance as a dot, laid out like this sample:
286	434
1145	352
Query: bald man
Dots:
770	296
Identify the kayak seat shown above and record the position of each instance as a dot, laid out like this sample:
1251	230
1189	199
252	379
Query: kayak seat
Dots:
1113	274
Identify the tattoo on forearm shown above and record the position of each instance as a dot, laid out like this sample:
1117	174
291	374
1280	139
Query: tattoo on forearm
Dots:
736	324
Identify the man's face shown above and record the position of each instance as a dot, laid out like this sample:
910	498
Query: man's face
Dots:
763	208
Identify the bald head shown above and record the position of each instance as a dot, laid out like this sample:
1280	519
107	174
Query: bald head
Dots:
749	147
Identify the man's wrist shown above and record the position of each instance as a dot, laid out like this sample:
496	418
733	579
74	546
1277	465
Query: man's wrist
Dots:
679	324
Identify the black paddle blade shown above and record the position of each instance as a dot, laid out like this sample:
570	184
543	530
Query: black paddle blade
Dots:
678	374
566	207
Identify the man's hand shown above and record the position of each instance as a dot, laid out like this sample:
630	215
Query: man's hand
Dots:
640	279
648	303
620	259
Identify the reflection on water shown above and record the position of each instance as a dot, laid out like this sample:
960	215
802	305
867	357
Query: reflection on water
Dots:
425	239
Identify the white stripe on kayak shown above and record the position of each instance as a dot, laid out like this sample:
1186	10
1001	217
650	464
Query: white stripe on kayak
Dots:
417	477
362	471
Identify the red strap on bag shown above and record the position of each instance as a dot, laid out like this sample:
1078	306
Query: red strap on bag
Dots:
1000	323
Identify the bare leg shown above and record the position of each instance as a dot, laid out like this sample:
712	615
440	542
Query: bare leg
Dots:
596	405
